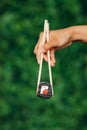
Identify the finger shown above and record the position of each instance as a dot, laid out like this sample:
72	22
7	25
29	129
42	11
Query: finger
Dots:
35	49
38	48
39	42
52	57
45	57
38	57
47	46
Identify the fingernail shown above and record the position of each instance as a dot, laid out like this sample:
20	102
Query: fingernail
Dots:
38	61
53	64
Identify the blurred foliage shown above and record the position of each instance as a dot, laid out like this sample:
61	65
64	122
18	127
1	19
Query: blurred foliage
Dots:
21	21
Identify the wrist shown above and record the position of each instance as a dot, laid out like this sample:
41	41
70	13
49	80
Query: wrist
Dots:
78	33
74	33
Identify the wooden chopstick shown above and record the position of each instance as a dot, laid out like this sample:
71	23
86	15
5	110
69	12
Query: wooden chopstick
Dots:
45	36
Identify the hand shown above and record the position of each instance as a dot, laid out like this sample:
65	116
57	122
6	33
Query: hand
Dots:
58	39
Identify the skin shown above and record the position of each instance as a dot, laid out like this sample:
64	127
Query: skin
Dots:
59	39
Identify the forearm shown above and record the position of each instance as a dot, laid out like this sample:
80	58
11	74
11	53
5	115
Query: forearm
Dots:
78	33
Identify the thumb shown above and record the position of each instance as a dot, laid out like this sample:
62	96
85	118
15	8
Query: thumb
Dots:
47	46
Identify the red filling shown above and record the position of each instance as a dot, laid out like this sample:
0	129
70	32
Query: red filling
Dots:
45	92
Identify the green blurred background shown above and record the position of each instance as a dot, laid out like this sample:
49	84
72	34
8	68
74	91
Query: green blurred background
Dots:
21	21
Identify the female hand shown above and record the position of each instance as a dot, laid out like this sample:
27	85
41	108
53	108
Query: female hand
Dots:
58	39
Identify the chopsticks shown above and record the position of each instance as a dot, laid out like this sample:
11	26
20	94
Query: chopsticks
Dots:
45	38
